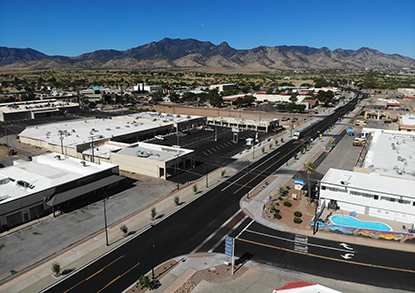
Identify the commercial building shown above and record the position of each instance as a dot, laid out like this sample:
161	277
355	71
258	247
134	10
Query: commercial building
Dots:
175	122
51	182
244	124
383	179
369	194
147	88
75	136
36	109
222	87
407	123
145	158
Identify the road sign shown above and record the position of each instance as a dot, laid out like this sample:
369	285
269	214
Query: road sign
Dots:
228	246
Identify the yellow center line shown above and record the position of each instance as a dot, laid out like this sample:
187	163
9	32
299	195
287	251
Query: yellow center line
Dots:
118	277
269	167
329	258
95	273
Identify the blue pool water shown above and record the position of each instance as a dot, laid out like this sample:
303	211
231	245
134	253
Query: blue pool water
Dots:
348	221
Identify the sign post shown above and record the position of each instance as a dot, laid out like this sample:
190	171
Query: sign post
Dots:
229	249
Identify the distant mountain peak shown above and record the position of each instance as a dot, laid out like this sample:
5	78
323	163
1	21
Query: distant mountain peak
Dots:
185	53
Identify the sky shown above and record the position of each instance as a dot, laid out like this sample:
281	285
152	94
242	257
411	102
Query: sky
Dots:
73	27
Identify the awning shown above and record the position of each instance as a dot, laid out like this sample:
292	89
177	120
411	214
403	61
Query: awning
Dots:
81	190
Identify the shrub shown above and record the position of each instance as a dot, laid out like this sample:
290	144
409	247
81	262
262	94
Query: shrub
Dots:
298	220
395	120
280	198
298	214
176	200
195	188
287	204
153	213
56	268
277	216
387	121
124	229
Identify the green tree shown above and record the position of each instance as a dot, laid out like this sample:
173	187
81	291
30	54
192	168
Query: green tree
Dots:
309	168
294	97
325	97
174	97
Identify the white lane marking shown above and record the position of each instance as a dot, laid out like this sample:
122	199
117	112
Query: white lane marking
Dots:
223	238
345	245
249	171
247	226
347	255
216	231
290	240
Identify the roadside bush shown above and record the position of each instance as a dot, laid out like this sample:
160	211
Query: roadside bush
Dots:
387	121
298	214
287	204
395	120
277	216
298	220
280	198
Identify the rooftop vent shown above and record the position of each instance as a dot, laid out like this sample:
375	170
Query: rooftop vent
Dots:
83	163
57	157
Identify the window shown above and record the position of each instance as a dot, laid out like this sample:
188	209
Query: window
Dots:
377	197
324	188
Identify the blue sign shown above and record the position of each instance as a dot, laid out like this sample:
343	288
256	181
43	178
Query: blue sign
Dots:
299	181
228	246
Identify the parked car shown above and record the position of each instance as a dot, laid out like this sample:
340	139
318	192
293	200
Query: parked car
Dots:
209	129
357	143
159	137
294	119
285	119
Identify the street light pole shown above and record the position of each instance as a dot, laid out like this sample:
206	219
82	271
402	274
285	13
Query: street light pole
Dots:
152	259
207	180
105	219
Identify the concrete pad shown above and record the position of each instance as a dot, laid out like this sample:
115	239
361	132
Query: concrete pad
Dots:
180	280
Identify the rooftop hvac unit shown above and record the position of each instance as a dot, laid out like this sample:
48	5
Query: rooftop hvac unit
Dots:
57	157
83	163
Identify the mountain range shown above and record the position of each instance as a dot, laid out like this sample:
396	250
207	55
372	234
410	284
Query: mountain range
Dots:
192	54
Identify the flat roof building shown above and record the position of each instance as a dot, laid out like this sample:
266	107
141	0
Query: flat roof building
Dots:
75	136
50	182
244	124
383	179
36	109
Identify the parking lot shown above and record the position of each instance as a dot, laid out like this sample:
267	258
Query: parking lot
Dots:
214	147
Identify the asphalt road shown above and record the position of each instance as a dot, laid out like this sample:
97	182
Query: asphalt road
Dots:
202	224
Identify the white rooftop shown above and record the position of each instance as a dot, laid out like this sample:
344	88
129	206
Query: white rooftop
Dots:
154	151
408	120
80	131
155	117
36	105
43	172
375	182
391	153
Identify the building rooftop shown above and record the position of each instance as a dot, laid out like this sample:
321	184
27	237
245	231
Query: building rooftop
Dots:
37	105
156	118
80	131
43	172
154	151
377	183
391	153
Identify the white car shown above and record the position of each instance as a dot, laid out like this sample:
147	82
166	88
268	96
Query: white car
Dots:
159	137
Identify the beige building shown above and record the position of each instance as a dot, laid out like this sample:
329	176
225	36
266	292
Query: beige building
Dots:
144	158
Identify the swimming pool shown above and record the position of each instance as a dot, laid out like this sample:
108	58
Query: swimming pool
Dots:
348	221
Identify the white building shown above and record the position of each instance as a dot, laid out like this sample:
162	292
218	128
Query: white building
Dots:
147	88
50	182
222	87
383	181
370	194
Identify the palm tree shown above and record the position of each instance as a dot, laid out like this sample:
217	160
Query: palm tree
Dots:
309	168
